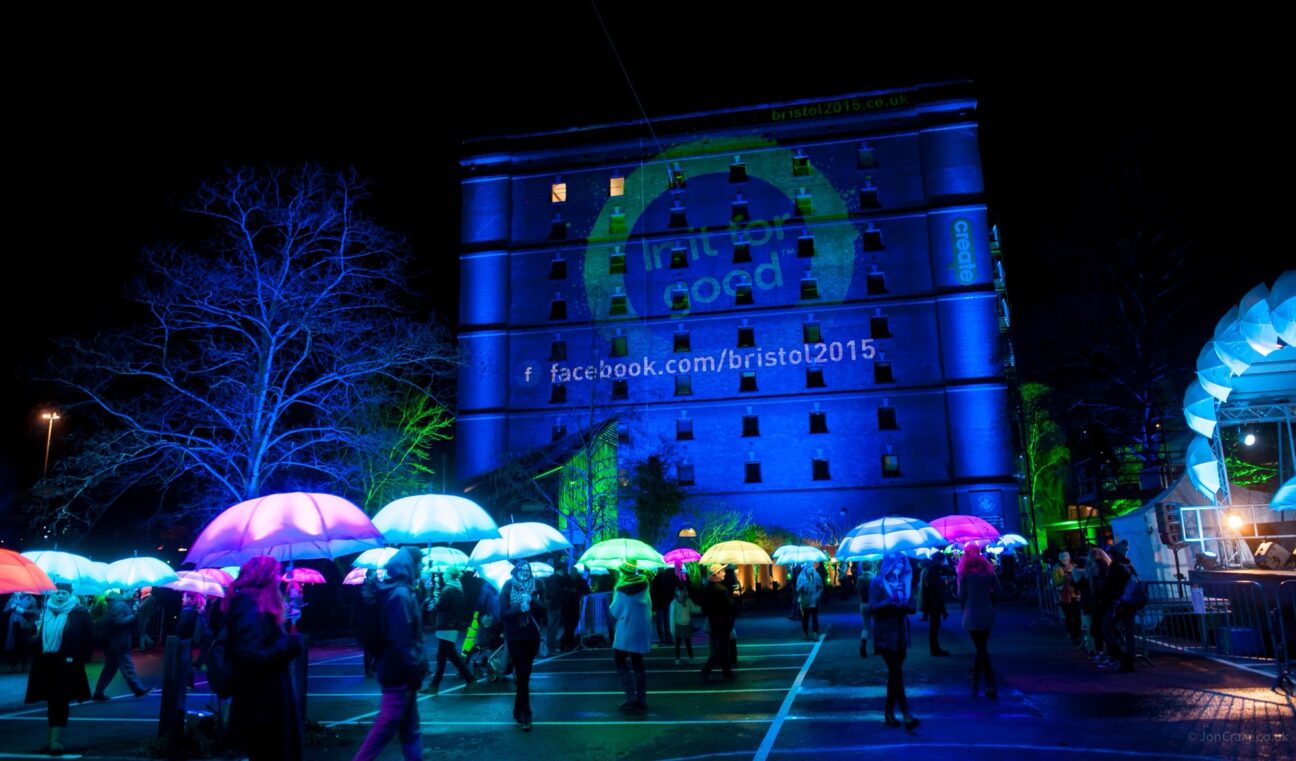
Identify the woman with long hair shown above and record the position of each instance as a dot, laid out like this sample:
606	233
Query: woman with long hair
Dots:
891	603
264	715
64	642
522	609
977	587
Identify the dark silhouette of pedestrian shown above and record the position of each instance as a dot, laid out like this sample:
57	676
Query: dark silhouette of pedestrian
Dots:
64	644
717	602
931	601
978	587
452	618
522	608
890	600
121	623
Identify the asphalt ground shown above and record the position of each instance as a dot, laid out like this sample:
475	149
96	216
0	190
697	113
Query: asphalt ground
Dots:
793	698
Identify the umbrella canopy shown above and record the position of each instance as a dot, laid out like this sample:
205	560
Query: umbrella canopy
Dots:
517	541
304	576
736	552
593	570
965	528
1254	322
435	518
375	558
611	553
86	576
793	555
133	573
872	540
200	583
441	558
18	574
1285	497
682	555
231	571
356	576
1213	374
1012	540
1199	410
292	526
499	571
1203	468
222	577
1282	306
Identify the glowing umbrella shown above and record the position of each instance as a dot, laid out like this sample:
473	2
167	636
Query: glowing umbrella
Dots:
1203	468
1199	410
1282	306
1012	540
200	583
224	578
18	574
435	518
682	555
593	570
1231	347
375	558
1213	374
965	528
736	552
231	571
293	526
611	553
133	573
1285	497
1254	323
872	540
517	541
499	571
304	576
85	576
356	576
441	558
793	555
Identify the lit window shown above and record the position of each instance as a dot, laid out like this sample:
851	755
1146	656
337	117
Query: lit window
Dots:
685	473
818	422
616	263
683	385
682	342
815	377
751	473
558	192
620	346
886	417
746	337
882	373
684	429
890	465
819	469
750	425
620	304
557	394
747	381
620	390
811	333
879	327
616	186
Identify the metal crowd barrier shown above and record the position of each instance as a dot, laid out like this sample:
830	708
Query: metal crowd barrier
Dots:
1228	619
1050	608
1285	613
594	617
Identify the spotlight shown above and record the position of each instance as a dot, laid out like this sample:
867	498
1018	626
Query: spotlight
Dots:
1234	522
1249	439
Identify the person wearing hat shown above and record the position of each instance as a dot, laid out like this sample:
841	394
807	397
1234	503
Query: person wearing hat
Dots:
1118	623
64	637
632	610
523	612
122	621
717	601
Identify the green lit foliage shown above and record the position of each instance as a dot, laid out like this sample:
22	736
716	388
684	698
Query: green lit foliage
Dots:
718	522
1247	474
587	502
397	461
1047	456
1125	505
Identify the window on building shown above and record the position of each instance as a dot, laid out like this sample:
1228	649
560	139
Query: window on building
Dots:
679	256
681	342
865	158
877	283
558	309
616	263
739	212
684	429
805	245
557	431
620	346
818	422
809	288
557	394
620	390
746	337
679	298
815	377
620	305
678	214
751	472
617	221
685	472
811	333
683	385
616	186
800	165
886	416
742	251
873	238
747	381
882	372
750	425
743	295
558	192
557	351
890	466
558	269
623	436
869	196
558	228
879	327
819	469
676	178
737	170
804	203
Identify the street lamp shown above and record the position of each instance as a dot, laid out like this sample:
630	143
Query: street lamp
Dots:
49	435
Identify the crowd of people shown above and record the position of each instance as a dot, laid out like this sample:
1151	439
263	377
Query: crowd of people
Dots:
1099	598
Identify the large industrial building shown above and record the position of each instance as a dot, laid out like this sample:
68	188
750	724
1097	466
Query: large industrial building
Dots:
799	305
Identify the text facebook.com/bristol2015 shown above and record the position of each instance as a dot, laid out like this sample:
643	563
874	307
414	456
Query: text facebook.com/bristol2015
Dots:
727	360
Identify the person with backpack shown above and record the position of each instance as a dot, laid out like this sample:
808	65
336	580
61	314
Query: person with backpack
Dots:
809	589
119	623
978	586
402	665
257	652
63	647
452	617
1125	593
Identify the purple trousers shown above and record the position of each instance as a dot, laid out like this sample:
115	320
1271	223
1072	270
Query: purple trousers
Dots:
398	712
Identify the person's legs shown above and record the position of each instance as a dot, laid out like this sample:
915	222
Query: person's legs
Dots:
641	680
805	621
688	643
106	675
678	642
523	653
57	712
627	677
1125	625
1111	634
815	612
411	733
128	672
390	720
981	639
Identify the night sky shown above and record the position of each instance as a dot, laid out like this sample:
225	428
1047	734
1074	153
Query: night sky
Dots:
102	152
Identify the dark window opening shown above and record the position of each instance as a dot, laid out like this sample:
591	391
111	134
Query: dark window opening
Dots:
747	381
877	283
737	172
557	432
558	309
620	305
739	212
743	295
815	377
746	338
679	258
865	158
678	216
887	419
890	465
869	198
800	166
620	390
750	425
818	422
809	288
684	429
882	373
819	469
682	343
558	229
805	246
558	269
880	327
620	346
742	252
679	299
616	264
683	385
873	239
558	351
811	333
557	393
685	473
751	473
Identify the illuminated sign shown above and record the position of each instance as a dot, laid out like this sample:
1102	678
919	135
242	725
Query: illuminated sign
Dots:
962	251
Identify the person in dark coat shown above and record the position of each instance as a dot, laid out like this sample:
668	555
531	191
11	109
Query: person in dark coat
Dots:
717	602
121	623
977	588
20	627
890	600
662	591
1118	624
265	719
863	586
192	626
367	620
63	643
452	617
402	665
522	608
931	600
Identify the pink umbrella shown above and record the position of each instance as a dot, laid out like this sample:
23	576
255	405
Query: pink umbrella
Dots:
304	576
357	576
216	575
293	526
682	555
965	528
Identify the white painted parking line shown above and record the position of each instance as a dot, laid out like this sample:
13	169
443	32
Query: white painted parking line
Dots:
481	694
771	735
683	671
356	658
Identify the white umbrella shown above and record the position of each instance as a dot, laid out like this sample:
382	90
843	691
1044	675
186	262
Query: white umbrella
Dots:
1213	374
1199	410
1254	323
1231	347
85	576
794	555
499	571
736	552
432	518
1012	540
133	573
1282	306
192	581
356	576
375	558
887	535
1203	468
517	541
441	558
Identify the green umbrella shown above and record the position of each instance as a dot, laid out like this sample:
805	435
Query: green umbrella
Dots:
611	553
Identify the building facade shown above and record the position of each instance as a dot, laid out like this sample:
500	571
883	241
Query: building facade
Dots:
795	304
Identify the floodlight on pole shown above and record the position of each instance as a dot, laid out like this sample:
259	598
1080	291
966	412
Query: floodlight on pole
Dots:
49	435
1249	439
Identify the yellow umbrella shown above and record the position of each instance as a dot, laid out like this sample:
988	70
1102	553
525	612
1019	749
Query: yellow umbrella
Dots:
736	552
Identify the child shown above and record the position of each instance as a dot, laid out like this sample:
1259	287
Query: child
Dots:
682	610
